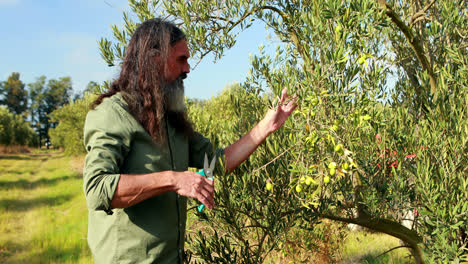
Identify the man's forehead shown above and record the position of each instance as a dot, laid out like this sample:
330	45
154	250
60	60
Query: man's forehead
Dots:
180	48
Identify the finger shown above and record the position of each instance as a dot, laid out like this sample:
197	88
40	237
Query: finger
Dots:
295	98
210	184
284	95
292	105
206	188
292	101
200	181
211	190
206	199
199	184
208	192
204	194
292	108
203	190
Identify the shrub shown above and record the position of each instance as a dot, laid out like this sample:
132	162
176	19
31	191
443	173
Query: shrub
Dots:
69	131
14	130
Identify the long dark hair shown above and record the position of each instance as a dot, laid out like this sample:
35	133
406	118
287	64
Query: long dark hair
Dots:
142	76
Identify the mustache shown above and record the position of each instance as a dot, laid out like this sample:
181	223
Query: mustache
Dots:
183	75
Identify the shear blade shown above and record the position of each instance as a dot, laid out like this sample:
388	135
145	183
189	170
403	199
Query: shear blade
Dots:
205	163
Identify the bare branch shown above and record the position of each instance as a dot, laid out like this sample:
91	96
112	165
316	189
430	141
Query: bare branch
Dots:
388	227
273	160
421	12
388	251
421	18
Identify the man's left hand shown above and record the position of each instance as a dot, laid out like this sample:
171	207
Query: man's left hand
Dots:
275	118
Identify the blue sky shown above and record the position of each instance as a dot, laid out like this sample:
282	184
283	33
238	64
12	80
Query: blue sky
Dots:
58	38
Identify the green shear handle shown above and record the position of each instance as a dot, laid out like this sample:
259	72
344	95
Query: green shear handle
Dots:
208	173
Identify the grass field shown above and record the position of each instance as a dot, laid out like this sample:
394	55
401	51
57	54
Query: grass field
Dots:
43	216
364	247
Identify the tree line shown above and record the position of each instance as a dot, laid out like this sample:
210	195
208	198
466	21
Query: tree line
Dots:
25	109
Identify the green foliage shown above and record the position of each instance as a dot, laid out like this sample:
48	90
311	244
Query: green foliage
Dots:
216	118
69	131
386	80
249	221
113	53
14	130
45	98
36	90
92	88
13	95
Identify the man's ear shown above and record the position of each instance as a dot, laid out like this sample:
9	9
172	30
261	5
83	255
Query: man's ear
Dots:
156	54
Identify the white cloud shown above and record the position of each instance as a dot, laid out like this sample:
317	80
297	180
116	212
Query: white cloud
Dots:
9	2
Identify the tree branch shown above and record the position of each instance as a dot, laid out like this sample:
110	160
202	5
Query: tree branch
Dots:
420	13
388	227
295	39
390	250
414	42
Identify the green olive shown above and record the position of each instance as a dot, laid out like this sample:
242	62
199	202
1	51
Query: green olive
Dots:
314	102
345	166
338	29
298	188
338	148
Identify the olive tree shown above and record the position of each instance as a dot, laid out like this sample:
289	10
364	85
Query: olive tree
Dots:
381	127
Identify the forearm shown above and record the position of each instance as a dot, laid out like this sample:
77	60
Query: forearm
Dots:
238	152
133	189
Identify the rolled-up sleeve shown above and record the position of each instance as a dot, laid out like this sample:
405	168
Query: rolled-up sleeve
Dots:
107	142
198	146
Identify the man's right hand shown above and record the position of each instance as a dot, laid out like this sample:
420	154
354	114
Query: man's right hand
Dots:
135	188
192	184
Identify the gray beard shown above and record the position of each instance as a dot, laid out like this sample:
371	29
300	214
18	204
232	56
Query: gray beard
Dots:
174	96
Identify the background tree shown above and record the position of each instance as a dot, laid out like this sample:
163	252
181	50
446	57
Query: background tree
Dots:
45	98
362	149
70	118
14	130
13	95
92	88
36	93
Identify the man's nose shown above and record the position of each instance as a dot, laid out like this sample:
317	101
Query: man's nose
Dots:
186	68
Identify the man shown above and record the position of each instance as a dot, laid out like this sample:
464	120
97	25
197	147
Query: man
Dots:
140	145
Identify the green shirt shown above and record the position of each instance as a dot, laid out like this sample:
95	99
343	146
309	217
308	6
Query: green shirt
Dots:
152	231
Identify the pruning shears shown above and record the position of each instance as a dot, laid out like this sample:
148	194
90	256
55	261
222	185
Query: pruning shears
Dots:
208	173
